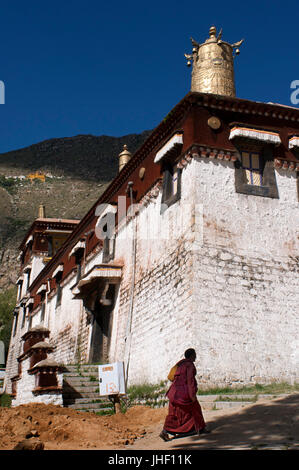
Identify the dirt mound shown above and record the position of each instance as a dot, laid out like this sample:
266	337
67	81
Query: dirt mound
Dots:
61	428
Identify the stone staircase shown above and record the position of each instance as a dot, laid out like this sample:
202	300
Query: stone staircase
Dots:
81	390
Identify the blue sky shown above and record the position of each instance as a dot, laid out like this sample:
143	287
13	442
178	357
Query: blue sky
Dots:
116	68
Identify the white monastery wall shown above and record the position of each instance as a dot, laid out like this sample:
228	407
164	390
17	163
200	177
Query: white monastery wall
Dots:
37	265
246	281
218	272
162	300
63	323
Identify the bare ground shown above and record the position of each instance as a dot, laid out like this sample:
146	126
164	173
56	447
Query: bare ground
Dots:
264	425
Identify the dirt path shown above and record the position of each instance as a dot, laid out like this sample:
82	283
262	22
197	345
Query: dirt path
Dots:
265	425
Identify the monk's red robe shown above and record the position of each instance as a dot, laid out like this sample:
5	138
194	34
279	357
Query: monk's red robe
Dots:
184	415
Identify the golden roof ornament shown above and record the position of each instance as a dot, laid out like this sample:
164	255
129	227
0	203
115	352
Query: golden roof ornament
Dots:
213	64
41	211
124	157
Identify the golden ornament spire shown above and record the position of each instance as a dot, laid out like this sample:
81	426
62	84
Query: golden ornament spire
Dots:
213	65
124	157
41	212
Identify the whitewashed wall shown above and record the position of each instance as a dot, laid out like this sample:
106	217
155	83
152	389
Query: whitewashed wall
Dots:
232	293
246	281
219	273
162	301
37	264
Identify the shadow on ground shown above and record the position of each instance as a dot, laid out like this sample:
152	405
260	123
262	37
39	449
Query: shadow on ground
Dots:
265	425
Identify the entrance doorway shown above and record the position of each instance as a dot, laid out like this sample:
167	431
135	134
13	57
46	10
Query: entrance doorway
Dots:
102	325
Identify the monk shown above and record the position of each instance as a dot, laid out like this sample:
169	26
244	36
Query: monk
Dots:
184	413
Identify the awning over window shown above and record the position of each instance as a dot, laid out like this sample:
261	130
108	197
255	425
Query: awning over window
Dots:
58	270
27	268
29	302
107	272
172	145
20	280
294	142
260	135
42	288
29	239
78	246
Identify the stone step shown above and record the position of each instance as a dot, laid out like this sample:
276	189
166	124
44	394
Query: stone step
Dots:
81	387
81	374
85	400
95	410
74	395
80	381
81	369
90	406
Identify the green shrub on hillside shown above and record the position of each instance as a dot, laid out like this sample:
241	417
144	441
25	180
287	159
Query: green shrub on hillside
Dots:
7	304
9	184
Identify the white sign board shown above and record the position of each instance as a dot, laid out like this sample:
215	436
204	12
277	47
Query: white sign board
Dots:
112	379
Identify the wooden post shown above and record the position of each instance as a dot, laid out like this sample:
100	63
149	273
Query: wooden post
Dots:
116	402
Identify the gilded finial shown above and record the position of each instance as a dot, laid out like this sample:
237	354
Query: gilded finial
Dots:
41	211
124	157
212	31
213	64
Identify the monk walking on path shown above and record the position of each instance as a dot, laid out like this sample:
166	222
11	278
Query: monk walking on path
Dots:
184	413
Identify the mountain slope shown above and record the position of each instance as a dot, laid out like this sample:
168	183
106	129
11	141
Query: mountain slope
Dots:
77	170
85	157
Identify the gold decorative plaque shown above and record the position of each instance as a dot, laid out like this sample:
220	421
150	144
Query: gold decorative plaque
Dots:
141	173
214	122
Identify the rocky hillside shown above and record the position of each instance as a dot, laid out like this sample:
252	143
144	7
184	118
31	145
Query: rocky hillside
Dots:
75	171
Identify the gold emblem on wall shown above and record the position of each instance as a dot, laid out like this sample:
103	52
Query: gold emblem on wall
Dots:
141	173
214	122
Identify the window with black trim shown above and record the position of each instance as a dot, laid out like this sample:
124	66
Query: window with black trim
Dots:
28	279
29	316
20	287
255	173
78	261
30	321
171	191
251	162
43	309
42	315
58	295
58	279
16	317
24	316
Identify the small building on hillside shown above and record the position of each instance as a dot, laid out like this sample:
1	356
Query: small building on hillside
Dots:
193	244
